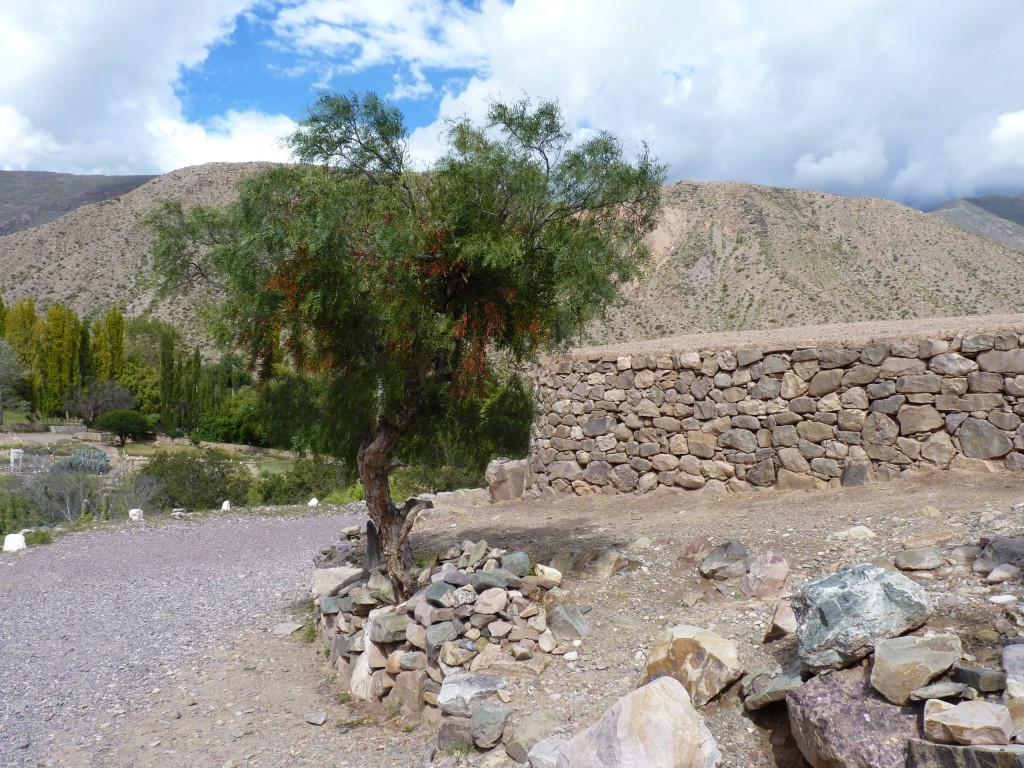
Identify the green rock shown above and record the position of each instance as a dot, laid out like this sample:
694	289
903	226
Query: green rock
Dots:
518	563
388	628
440	594
979	678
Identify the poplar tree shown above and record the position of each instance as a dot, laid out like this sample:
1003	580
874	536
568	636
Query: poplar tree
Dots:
60	353
23	329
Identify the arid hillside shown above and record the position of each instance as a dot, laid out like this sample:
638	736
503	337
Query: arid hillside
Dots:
728	256
732	256
996	217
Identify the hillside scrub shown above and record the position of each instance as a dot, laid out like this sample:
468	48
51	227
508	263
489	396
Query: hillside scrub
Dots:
197	480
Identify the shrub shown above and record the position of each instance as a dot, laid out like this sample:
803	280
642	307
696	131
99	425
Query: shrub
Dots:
307	478
198	479
88	460
124	424
37	537
63	496
16	512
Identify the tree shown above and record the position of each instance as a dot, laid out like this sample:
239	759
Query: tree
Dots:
122	423
24	330
90	404
403	293
108	345
60	358
10	376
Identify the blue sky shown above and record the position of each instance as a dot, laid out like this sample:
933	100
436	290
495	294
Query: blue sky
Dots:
919	101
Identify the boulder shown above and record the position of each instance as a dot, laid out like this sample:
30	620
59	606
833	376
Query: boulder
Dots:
970	722
461	691
488	723
654	726
766	577
982	439
904	664
999	551
725	561
838	721
567	623
507	479
842	616
387	627
14	542
703	661
773	689
532	729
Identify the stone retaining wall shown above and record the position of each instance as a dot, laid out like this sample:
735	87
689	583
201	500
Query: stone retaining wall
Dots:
844	410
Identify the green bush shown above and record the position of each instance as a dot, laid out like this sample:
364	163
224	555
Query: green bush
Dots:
89	460
16	512
123	423
198	479
38	537
307	478
346	495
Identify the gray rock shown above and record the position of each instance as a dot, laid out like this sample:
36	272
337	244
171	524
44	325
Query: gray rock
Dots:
979	678
920	559
528	732
1000	550
441	594
567	623
454	732
654	726
1013	662
838	721
387	628
905	664
518	563
547	752
438	635
970	722
738	439
488	723
928	754
499	577
938	691
775	689
725	561
842	616
461	691
983	440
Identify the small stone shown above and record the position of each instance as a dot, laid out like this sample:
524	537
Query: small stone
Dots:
488	723
551	574
725	561
567	623
857	533
783	622
316	718
938	691
491	601
979	678
518	563
703	661
919	559
286	628
905	664
1002	573
461	692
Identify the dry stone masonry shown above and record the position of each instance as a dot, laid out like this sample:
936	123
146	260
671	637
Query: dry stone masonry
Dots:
790	416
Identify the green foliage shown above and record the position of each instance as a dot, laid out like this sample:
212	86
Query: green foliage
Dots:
390	287
307	478
17	511
123	423
347	495
60	358
38	537
108	345
11	375
88	460
198	479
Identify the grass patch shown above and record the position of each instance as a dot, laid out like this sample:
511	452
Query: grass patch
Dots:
39	537
305	612
274	466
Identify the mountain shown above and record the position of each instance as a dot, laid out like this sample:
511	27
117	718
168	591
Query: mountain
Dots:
31	198
93	258
997	217
728	256
732	256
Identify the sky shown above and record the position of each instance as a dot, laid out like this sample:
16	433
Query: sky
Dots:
919	101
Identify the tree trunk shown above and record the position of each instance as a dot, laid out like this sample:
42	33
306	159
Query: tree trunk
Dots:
374	462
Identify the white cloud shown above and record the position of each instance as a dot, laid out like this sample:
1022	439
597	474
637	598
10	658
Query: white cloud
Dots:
235	137
89	86
855	96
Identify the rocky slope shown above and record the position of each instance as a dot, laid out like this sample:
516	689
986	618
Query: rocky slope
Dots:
728	256
996	217
30	198
733	256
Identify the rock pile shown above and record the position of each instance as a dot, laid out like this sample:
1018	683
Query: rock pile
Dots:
441	656
792	418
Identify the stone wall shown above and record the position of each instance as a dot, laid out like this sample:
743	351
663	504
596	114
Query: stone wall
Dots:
792	409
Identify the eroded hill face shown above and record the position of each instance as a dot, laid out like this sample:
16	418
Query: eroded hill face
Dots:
728	256
732	256
996	217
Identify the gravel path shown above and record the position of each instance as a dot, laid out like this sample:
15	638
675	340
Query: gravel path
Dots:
95	621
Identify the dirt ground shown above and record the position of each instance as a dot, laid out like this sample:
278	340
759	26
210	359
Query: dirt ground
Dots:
244	703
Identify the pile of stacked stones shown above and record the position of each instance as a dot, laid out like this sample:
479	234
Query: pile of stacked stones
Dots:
792	418
438	656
